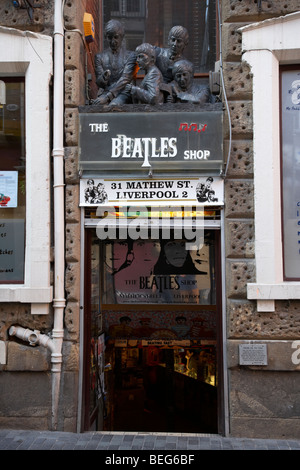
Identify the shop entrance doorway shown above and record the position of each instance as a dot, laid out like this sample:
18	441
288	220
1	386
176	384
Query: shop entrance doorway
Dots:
164	388
153	335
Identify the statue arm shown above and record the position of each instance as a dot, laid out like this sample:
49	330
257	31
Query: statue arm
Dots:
102	75
126	77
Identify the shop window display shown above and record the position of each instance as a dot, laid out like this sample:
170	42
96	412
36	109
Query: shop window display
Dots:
12	180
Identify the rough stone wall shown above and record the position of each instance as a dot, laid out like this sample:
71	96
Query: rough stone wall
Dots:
42	19
79	88
262	400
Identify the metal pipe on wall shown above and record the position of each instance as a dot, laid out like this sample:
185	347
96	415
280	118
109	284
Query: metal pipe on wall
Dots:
59	203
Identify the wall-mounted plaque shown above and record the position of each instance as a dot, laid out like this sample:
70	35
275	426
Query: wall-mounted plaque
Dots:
253	355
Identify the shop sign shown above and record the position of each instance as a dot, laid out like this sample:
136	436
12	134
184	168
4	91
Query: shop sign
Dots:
206	191
151	141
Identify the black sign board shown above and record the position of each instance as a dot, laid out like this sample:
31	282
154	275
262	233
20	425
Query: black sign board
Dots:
163	142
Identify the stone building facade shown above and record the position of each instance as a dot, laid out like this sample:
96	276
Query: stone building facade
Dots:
259	400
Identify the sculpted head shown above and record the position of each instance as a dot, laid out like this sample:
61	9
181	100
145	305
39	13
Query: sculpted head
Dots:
114	33
178	40
183	73
145	55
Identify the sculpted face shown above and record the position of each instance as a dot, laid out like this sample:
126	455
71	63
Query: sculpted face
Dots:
183	79
114	39
143	60
176	45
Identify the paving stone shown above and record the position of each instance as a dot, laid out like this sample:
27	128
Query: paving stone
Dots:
35	440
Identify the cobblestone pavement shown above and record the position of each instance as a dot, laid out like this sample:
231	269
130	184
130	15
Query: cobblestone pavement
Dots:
121	441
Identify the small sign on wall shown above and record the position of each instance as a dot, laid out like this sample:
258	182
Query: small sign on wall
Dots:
253	355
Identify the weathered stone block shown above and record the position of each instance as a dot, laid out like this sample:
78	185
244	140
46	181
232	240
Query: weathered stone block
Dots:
248	10
28	423
241	159
73	14
69	401
42	19
238	274
239	197
279	355
264	405
25	395
27	358
238	81
72	320
73	242
74	90
71	165
71	354
72	204
239	238
71	126
74	51
241	116
242	319
232	41
73	281
245	322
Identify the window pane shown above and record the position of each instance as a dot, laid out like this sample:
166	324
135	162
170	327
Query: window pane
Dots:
291	171
151	22
12	181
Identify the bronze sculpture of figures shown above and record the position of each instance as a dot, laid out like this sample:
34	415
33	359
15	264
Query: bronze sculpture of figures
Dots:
114	68
169	77
149	91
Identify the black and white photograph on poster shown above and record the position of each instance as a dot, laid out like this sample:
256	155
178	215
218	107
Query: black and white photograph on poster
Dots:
95	193
193	191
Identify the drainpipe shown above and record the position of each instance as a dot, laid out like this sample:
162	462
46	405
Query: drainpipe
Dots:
58	207
34	338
